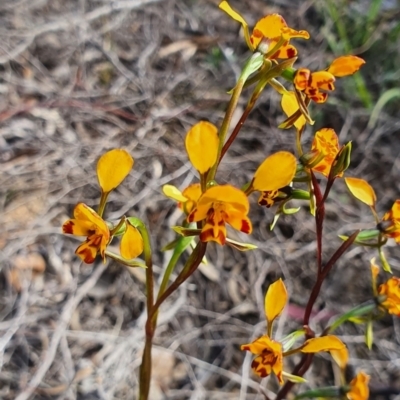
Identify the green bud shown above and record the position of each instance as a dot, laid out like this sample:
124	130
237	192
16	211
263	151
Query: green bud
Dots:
342	161
311	158
369	335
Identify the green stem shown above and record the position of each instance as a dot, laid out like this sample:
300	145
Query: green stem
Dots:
145	368
358	311
103	202
225	124
191	265
180	247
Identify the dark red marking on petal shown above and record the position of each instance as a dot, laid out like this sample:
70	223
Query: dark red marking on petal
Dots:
246	228
290	52
68	227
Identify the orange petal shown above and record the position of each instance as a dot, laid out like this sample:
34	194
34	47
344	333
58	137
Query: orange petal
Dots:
275	172
361	190
77	227
112	168
131	244
226	194
302	78
324	343
394	213
215	233
261	344
275	300
238	221
87	251
269	27
322	80
289	33
359	389
345	65
192	194
284	52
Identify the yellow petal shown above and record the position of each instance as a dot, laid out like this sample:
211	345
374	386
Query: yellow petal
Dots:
345	65
341	357
324	343
275	300
85	222
361	190
225	194
237	17
289	33
290	106
173	193
192	194
202	145
112	168
131	243
276	172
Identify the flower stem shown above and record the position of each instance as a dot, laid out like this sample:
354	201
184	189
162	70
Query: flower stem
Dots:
152	312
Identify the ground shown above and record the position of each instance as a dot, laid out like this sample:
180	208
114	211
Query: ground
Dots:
83	76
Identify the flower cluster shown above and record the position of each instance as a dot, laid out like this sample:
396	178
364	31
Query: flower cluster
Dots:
112	169
270	353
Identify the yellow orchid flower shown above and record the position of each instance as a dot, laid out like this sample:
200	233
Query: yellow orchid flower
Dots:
274	174
269	357
202	146
219	205
325	143
313	86
269	352
311	83
390	223
187	199
391	290
87	222
267	33
359	387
